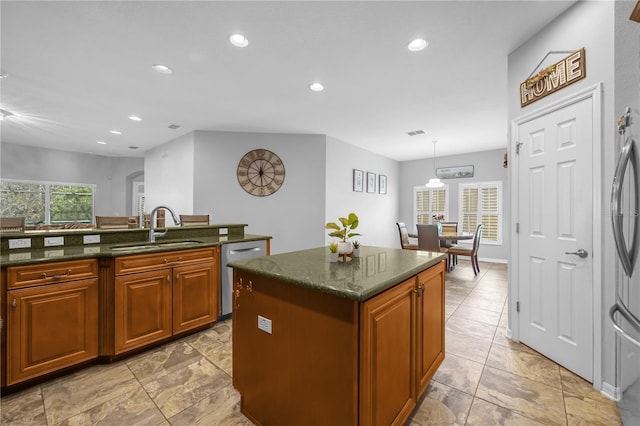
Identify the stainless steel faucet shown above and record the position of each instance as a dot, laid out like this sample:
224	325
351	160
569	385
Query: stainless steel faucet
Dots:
152	232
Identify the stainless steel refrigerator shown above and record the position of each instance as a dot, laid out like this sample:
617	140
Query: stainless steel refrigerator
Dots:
624	315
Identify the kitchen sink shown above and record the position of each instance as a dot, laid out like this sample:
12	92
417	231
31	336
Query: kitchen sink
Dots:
156	245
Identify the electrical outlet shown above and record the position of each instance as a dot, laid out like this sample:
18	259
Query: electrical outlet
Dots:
53	253
223	231
19	256
53	241
91	239
18	243
264	324
91	250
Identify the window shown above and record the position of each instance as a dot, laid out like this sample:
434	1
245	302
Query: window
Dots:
46	202
428	202
482	203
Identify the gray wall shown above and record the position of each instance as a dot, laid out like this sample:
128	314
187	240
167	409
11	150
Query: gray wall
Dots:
109	174
590	25
487	167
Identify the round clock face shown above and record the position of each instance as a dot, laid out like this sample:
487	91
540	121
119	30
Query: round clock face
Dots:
260	172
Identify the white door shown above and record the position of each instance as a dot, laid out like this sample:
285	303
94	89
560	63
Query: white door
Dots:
555	203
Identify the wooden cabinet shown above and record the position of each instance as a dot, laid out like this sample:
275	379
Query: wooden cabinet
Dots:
163	294
401	346
387	356
363	363
52	318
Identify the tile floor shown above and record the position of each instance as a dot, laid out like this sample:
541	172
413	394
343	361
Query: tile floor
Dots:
485	378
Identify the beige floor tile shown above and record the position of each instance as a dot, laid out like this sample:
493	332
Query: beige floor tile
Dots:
500	338
484	413
487	302
85	389
216	345
219	408
160	361
25	408
467	347
470	327
179	389
481	315
531	366
526	397
459	373
441	405
132	408
586	405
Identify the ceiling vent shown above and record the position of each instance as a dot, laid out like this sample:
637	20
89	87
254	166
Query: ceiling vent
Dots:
174	126
416	132
133	147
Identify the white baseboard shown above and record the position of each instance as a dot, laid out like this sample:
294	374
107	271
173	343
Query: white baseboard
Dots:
610	391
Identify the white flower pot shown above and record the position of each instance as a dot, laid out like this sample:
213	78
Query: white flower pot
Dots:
345	248
333	257
356	252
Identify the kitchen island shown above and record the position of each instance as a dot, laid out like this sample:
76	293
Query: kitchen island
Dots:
347	343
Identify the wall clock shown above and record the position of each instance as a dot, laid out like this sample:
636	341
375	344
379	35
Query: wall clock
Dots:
260	172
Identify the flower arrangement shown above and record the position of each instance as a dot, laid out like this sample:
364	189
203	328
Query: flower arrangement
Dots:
439	217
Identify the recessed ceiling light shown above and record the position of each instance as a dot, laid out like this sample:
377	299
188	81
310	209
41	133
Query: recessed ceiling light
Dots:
115	132
417	44
3	75
239	40
102	143
316	87
162	69
135	118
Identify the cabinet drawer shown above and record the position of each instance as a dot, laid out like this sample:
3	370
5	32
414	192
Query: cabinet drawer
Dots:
48	273
151	261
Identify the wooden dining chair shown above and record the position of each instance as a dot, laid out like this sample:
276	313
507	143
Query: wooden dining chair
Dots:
471	252
12	224
428	240
404	237
194	219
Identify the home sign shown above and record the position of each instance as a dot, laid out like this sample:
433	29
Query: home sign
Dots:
553	78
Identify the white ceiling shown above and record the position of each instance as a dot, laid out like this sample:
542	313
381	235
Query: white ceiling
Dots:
76	70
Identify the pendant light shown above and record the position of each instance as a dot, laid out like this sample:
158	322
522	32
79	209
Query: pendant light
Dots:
434	182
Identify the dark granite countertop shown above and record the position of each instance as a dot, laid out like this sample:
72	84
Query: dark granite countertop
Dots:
376	270
73	252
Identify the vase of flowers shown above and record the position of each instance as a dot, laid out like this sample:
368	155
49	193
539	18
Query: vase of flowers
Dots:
439	217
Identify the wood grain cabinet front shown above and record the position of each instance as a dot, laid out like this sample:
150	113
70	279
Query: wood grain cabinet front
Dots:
51	326
177	292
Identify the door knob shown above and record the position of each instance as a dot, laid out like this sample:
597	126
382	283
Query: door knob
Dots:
580	253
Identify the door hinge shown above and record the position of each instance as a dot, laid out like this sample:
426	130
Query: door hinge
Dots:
518	145
517	306
517	227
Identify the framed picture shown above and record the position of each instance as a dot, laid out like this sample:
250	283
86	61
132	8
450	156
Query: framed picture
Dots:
358	177
382	184
371	182
454	172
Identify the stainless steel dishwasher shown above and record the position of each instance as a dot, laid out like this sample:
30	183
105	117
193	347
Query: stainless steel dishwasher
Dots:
231	252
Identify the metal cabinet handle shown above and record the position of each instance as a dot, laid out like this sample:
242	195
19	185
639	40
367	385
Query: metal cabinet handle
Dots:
419	290
168	278
173	262
55	277
580	253
14	304
177	276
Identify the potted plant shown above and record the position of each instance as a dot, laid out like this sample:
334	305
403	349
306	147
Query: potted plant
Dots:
344	232
333	252
356	248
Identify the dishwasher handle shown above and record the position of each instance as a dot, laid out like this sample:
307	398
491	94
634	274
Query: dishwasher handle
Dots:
244	250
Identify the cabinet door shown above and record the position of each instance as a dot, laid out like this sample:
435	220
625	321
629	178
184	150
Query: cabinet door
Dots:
430	324
387	358
51	327
195	296
142	309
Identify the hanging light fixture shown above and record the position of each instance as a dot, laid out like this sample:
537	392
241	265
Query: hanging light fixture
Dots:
434	182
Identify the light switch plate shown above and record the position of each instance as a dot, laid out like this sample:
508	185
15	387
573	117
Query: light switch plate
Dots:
264	324
91	239
17	243
53	241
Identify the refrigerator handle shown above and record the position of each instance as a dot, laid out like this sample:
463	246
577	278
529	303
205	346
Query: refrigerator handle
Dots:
633	321
627	155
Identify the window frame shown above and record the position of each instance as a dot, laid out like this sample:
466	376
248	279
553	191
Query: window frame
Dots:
479	212
47	198
429	212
